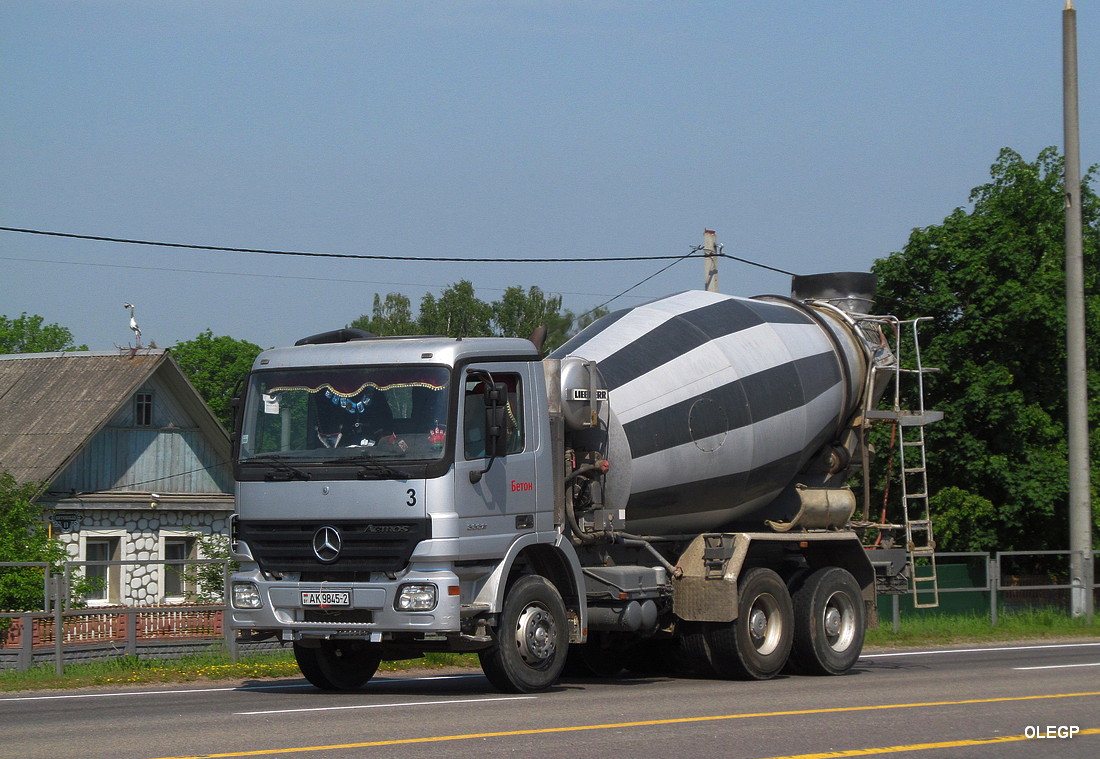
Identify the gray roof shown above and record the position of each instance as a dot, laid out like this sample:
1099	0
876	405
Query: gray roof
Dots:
52	404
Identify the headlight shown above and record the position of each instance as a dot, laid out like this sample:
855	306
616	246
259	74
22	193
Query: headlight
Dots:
246	596
415	598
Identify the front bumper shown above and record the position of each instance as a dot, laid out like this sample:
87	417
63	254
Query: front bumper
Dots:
370	615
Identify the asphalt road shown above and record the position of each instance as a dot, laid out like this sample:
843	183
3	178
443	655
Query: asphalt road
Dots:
996	702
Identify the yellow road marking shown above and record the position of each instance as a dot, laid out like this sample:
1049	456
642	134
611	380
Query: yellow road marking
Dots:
675	721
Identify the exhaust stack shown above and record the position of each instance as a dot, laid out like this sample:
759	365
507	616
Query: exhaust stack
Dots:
851	291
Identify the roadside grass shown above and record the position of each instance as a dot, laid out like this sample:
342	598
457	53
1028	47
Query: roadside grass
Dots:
914	631
212	665
931	629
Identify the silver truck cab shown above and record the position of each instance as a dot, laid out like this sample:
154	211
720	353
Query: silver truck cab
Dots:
385	488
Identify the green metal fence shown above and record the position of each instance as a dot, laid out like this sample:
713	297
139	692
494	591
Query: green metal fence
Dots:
982	583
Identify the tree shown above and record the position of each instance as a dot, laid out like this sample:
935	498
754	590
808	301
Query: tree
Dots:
992	279
27	334
457	312
392	316
583	320
216	366
519	314
209	579
24	536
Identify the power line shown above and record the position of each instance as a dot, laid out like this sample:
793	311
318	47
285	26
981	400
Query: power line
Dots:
221	273
341	280
79	493
363	256
373	257
754	263
639	284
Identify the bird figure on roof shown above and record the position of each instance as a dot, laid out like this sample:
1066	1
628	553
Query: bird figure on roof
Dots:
133	322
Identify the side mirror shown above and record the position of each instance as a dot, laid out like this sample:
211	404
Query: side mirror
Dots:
496	403
496	426
235	406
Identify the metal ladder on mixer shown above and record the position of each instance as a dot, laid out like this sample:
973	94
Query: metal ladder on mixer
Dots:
919	540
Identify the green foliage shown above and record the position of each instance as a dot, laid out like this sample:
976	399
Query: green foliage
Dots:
209	579
964	521
519	314
24	536
27	334
392	316
458	312
215	366
992	279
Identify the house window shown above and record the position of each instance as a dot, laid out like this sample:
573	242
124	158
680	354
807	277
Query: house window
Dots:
104	579
143	409
176	584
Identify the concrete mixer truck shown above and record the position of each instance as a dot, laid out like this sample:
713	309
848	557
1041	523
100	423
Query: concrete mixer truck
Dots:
668	488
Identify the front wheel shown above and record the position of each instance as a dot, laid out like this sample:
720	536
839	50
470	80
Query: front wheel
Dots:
532	640
337	664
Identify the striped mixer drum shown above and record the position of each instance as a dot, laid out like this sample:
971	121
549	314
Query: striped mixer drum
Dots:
717	405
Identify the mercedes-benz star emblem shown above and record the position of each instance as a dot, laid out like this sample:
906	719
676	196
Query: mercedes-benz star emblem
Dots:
326	544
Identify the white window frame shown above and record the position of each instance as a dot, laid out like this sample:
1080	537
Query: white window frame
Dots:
118	577
162	569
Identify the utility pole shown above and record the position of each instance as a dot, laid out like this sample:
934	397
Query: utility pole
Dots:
710	260
1080	509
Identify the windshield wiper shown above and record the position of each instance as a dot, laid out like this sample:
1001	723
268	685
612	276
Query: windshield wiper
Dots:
372	468
279	468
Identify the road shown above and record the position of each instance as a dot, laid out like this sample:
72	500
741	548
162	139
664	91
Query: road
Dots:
971	702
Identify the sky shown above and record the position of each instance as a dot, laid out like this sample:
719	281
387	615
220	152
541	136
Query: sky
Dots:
811	136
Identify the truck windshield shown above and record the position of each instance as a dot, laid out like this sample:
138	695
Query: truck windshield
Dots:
337	414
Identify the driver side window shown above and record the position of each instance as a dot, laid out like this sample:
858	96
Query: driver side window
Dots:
473	404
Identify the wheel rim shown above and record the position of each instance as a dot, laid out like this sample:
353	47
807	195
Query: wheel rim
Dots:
536	635
838	621
765	624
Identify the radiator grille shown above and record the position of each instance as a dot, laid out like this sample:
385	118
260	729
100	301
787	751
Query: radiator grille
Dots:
381	545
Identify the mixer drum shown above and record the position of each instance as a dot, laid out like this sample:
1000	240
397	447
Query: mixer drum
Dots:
715	405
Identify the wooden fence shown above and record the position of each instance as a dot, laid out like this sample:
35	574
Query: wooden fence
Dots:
111	631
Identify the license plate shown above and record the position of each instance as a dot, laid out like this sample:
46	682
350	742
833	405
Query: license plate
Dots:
326	598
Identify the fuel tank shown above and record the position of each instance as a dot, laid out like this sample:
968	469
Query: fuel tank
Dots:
716	406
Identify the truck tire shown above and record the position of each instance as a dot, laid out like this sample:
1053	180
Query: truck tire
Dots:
693	655
595	658
532	640
652	657
337	664
756	645
829	623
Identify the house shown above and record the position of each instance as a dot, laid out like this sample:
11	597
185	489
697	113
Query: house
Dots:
135	465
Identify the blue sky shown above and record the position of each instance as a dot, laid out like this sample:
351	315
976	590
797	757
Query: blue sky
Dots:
812	136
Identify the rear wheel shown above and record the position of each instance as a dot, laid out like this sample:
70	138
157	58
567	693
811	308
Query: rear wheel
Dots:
829	623
338	664
755	646
693	656
599	657
653	657
532	640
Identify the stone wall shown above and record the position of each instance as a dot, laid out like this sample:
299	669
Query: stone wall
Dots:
139	533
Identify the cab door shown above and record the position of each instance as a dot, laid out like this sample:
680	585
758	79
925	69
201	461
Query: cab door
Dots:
495	495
